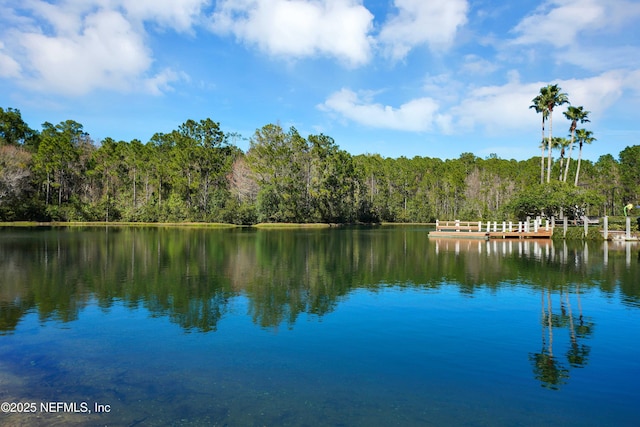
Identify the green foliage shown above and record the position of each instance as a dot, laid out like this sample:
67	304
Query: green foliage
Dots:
550	199
195	174
302	180
14	131
577	233
630	174
240	213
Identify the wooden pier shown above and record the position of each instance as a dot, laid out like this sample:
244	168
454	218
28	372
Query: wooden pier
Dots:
457	229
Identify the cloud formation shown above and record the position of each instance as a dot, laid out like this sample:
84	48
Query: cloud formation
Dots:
561	22
490	109
178	15
105	53
417	115
8	66
434	23
74	47
297	28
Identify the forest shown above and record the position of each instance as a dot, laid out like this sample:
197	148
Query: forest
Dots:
196	173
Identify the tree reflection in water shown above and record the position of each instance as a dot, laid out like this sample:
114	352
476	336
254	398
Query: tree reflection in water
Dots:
192	276
546	368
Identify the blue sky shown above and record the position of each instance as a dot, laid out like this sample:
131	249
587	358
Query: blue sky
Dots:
431	78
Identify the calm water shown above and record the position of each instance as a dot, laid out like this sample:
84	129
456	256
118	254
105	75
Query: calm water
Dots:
344	327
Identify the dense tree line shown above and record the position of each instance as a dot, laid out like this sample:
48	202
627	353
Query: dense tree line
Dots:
197	173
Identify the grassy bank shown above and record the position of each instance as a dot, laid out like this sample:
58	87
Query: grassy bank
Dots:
116	224
280	225
161	224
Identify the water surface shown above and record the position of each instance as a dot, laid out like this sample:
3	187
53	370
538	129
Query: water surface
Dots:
347	327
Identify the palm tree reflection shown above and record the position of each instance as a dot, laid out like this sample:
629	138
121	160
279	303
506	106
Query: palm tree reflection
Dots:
547	368
578	354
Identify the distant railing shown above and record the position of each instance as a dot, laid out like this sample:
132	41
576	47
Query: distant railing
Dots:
589	220
603	228
528	226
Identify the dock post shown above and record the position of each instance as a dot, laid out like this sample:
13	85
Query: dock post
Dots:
504	226
586	225
565	226
628	232
510	226
605	221
535	226
480	226
495	226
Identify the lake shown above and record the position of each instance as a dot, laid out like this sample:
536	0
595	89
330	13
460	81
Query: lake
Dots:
354	326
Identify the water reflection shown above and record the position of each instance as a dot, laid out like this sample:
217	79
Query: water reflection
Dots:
552	371
190	275
535	249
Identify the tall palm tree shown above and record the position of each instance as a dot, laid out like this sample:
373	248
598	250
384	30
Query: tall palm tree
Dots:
584	137
552	97
540	106
575	114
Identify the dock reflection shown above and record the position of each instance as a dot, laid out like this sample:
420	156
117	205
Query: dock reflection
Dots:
536	248
539	249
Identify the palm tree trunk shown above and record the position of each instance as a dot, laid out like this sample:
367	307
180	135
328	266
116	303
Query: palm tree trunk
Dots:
542	165
561	166
566	169
573	138
549	146
578	168
542	153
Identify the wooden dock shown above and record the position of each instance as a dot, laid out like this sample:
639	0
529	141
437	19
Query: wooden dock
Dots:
492	230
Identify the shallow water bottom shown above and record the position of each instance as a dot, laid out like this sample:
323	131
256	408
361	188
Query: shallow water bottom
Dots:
396	356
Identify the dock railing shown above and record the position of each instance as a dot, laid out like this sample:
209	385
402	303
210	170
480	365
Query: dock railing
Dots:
537	227
530	225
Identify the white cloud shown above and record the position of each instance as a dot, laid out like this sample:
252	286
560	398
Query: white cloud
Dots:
502	108
73	47
66	15
494	110
433	22
179	15
106	53
299	28
599	93
416	115
161	82
8	66
600	58
476	65
560	22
